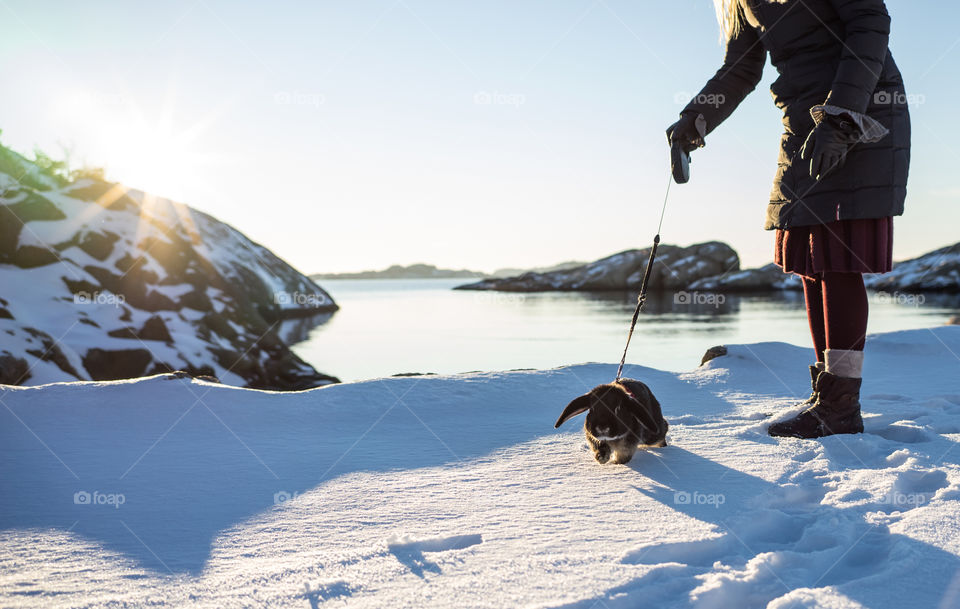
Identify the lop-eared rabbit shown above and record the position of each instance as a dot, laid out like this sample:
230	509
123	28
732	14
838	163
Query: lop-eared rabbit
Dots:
621	417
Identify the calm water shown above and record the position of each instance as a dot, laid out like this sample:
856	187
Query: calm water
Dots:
386	327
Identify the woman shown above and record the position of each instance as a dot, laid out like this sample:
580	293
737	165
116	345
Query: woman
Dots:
841	175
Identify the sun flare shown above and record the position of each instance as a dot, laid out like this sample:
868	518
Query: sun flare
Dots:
152	152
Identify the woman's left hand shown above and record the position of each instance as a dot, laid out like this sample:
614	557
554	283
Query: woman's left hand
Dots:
828	144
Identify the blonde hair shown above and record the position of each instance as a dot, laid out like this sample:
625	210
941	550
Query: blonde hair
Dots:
728	16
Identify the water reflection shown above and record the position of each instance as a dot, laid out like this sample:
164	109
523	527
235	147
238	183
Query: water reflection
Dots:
292	331
386	327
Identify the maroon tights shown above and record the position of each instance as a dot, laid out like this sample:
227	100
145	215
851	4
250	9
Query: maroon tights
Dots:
837	311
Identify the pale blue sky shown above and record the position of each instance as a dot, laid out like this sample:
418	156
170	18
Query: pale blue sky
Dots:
357	134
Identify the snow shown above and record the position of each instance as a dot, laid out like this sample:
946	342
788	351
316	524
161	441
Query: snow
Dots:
456	491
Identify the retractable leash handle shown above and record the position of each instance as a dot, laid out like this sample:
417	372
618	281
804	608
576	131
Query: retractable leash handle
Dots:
680	155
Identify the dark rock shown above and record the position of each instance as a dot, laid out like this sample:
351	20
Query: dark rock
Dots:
13	370
133	288
196	300
30	206
219	324
713	353
98	245
10	226
155	301
937	271
5	314
153	329
36	207
51	352
31	256
675	267
766	278
80	287
128	265
112	365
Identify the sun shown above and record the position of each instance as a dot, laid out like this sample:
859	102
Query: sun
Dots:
149	151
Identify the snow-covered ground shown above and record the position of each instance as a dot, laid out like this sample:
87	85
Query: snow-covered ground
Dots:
457	492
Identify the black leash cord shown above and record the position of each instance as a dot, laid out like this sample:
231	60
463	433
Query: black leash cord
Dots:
642	298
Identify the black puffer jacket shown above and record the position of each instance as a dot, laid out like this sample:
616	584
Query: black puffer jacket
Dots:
832	51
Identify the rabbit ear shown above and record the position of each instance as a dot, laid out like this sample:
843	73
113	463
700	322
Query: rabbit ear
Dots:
578	405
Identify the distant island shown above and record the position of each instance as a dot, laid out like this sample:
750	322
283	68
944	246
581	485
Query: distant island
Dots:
397	271
429	271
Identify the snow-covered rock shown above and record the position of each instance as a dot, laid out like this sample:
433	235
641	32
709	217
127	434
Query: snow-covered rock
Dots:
457	492
100	282
675	268
937	271
766	278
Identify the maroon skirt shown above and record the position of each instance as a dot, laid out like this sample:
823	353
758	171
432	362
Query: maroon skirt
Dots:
844	246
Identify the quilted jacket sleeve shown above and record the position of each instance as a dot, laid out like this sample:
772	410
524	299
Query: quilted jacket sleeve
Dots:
867	32
741	72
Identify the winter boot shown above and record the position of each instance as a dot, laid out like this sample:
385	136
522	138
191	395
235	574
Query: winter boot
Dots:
815	371
837	405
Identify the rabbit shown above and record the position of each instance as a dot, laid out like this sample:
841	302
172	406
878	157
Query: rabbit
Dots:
621	416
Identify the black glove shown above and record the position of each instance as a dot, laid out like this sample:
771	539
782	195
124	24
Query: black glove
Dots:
689	131
828	144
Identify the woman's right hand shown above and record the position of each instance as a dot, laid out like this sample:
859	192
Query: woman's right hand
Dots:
687	132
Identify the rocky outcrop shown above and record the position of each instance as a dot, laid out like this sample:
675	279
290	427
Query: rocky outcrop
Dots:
102	282
766	278
675	268
937	271
713	353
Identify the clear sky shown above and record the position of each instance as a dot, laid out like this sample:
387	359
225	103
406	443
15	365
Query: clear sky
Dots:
361	133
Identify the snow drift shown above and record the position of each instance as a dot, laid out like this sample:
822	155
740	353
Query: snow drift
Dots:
457	492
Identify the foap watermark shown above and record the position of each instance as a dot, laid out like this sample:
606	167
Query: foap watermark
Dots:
98	498
899	298
99	298
496	98
284	496
898	98
698	498
299	299
704	99
299	98
904	500
500	298
710	299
